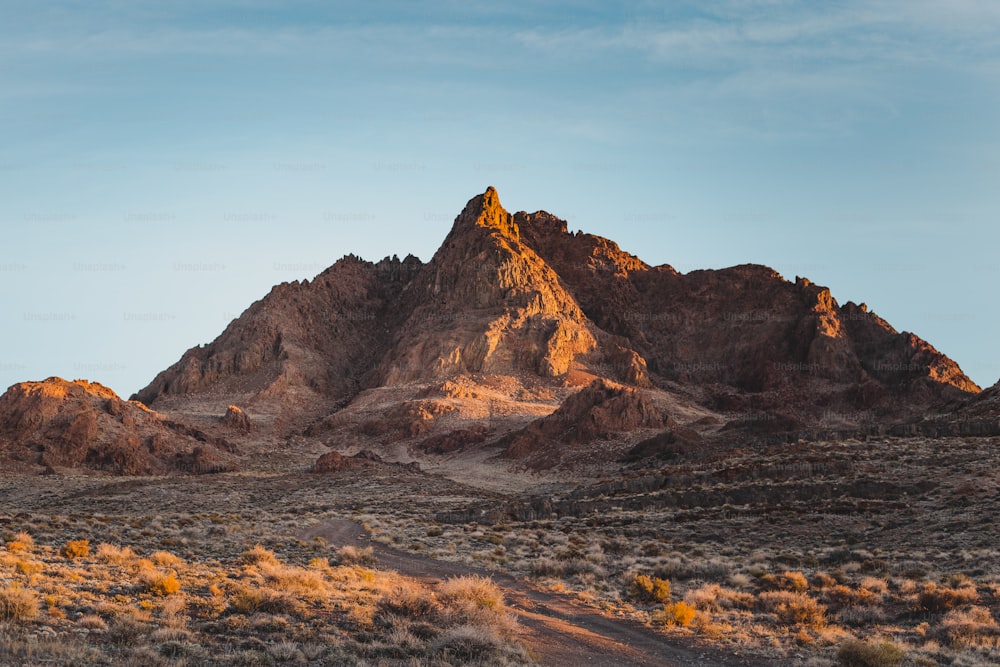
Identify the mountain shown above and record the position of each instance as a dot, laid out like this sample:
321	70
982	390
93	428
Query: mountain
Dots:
489	341
80	424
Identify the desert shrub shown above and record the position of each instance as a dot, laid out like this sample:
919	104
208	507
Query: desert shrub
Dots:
713	597
17	604
351	555
162	584
297	580
110	553
247	600
408	602
92	622
845	595
257	555
970	627
473	600
787	581
166	559
477	591
22	542
126	630
676	614
28	568
937	599
76	549
823	580
857	653
468	643
645	588
875	585
793	608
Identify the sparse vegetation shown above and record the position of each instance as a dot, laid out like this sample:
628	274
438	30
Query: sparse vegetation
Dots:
785	583
76	549
17	604
856	653
645	588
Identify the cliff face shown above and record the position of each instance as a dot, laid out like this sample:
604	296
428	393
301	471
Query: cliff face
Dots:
518	296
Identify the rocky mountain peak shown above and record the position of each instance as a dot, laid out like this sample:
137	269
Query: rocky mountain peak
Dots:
485	210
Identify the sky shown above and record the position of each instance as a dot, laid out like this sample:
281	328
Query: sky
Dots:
164	164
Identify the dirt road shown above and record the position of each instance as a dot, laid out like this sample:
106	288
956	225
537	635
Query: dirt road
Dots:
560	631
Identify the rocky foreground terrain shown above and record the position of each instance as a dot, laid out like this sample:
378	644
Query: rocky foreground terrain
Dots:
733	465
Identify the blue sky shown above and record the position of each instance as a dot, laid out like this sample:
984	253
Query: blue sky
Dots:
162	165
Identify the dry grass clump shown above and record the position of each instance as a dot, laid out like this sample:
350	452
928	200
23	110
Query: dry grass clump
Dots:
786	581
22	543
408	601
472	592
352	555
971	627
644	588
474	600
110	553
76	549
857	653
257	555
166	559
716	598
793	608
468	643
162	584
17	604
250	600
934	598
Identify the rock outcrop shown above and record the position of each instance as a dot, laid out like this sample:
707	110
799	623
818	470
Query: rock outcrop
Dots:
601	411
80	424
235	418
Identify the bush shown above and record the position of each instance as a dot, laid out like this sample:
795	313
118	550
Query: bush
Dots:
76	549
856	653
22	542
938	599
351	555
794	608
166	559
969	627
408	602
478	591
644	588
468	643
109	553
257	555
163	584
678	613
17	604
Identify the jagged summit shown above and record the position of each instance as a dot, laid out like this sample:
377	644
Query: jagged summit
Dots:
485	210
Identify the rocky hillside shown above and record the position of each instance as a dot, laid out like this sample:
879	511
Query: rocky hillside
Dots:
524	314
59	424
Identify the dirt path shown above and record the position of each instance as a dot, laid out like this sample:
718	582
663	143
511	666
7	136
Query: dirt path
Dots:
560	631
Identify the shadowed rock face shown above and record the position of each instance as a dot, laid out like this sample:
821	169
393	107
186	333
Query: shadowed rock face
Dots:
520	296
83	424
